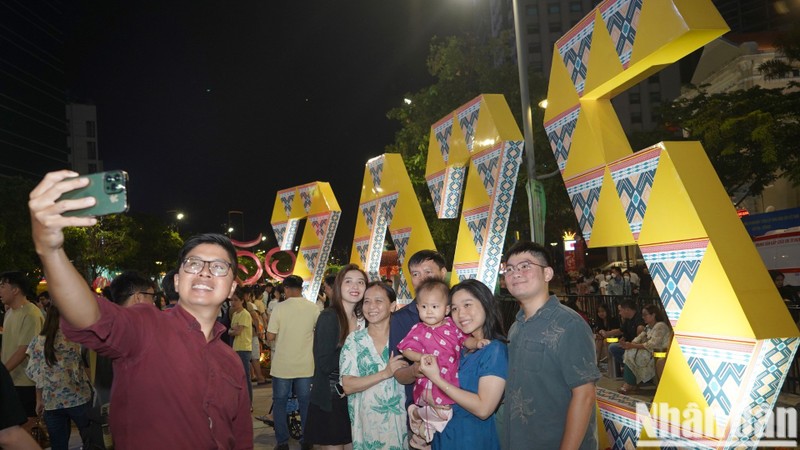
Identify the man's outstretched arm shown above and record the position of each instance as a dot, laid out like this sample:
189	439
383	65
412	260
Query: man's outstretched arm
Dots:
67	287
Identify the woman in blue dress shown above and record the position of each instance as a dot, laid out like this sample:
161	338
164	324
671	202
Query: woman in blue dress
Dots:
482	373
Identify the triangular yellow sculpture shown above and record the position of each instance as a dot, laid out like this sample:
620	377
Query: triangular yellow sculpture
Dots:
671	215
561	93
677	389
604	63
610	226
713	296
583	154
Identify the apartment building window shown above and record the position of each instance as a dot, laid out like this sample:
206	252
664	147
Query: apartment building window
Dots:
655	97
554	27
91	150
531	10
636	118
91	128
654	79
534	49
553	8
533	28
635	98
575	7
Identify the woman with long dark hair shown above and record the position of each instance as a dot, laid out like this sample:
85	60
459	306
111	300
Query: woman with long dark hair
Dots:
639	363
62	385
482	373
328	424
603	321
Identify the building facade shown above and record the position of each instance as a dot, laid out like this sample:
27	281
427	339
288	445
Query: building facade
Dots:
82	138
32	99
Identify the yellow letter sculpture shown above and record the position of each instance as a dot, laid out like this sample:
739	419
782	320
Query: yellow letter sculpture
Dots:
388	200
734	339
315	202
482	134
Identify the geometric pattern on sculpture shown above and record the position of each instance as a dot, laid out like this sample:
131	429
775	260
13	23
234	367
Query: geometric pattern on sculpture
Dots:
320	224
499	210
467	271
376	171
310	255
633	177
382	219
305	194
362	246
584	191
287	198
400	239
738	362
442	131
321	211
621	435
720	382
622	19
436	185
487	166
559	133
454	179
771	363
476	223
467	118
368	209
672	280
574	50
486	141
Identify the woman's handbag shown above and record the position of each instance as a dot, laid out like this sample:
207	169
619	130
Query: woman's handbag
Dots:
39	432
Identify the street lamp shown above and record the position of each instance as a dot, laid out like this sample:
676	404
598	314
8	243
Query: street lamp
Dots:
533	187
178	217
231	223
527	122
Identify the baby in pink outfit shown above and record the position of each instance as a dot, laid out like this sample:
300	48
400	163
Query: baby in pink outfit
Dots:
436	335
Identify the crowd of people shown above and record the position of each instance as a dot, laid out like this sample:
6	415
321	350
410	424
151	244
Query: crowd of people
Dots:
439	372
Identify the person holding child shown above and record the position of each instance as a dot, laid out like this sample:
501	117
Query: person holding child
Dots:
436	335
482	372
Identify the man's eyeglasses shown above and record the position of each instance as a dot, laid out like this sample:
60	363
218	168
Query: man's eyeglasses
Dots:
195	265
155	295
524	266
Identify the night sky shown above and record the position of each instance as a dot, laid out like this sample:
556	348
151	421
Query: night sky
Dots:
213	106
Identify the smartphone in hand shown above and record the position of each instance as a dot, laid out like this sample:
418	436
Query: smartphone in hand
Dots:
110	190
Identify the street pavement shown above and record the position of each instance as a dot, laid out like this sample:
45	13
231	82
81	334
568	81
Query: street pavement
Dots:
263	435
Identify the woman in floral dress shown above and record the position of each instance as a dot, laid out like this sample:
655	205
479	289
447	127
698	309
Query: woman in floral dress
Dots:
62	385
375	399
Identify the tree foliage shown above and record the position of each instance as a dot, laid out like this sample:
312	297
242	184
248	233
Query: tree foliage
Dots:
788	47
117	242
464	67
16	246
752	136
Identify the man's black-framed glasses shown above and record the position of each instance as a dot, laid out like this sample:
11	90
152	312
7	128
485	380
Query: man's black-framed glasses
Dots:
216	267
155	295
524	266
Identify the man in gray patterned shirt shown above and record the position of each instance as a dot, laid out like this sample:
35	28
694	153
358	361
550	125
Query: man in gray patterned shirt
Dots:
550	391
